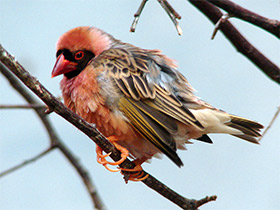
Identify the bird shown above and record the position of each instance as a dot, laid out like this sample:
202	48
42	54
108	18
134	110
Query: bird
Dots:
137	98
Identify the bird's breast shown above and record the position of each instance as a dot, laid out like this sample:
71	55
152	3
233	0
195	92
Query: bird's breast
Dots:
83	95
86	96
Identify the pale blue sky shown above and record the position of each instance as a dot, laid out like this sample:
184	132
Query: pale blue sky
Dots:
243	175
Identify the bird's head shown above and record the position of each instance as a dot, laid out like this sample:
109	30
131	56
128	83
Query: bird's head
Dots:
77	47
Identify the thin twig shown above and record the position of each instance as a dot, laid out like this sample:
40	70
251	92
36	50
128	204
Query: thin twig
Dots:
137	15
26	162
97	201
172	14
172	10
224	18
27	106
168	9
272	26
183	202
271	123
34	85
238	40
54	139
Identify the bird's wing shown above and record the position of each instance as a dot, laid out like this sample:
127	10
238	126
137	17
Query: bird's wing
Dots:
149	87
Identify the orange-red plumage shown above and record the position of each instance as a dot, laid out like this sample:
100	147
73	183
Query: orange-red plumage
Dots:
81	38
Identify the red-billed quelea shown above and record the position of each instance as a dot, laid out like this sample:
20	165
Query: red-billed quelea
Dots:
137	98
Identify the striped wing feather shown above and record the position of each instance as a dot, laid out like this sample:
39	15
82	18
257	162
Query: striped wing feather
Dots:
148	101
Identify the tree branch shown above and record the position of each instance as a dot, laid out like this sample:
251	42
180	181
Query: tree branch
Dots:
271	26
137	15
55	142
239	42
181	201
172	14
26	162
33	84
28	106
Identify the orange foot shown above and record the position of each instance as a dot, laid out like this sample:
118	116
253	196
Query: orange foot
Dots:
101	158
136	174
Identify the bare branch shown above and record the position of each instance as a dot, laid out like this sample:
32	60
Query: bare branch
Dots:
97	201
172	14
137	15
224	18
28	106
271	26
183	202
26	162
238	40
171	9
33	84
168	9
54	139
271	123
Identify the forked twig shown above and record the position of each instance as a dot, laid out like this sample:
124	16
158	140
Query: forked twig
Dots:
241	44
168	9
223	19
172	14
270	25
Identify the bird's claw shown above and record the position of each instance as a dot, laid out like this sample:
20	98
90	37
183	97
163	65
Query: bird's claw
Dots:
101	158
135	174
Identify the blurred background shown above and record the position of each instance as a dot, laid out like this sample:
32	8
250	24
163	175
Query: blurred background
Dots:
242	175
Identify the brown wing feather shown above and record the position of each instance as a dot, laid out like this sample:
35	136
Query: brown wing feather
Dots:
145	81
131	70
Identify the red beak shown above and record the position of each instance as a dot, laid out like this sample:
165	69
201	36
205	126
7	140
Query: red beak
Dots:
63	66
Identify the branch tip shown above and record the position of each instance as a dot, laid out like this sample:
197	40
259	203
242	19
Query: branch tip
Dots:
270	124
223	19
137	15
173	15
49	110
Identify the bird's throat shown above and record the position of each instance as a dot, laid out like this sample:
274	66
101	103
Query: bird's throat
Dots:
72	74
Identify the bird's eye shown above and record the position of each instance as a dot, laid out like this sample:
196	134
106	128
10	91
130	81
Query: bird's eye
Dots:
79	55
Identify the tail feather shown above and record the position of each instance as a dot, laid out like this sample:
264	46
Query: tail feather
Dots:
249	128
247	138
245	122
246	130
217	121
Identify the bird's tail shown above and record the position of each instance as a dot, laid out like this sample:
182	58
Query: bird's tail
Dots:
217	121
250	129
